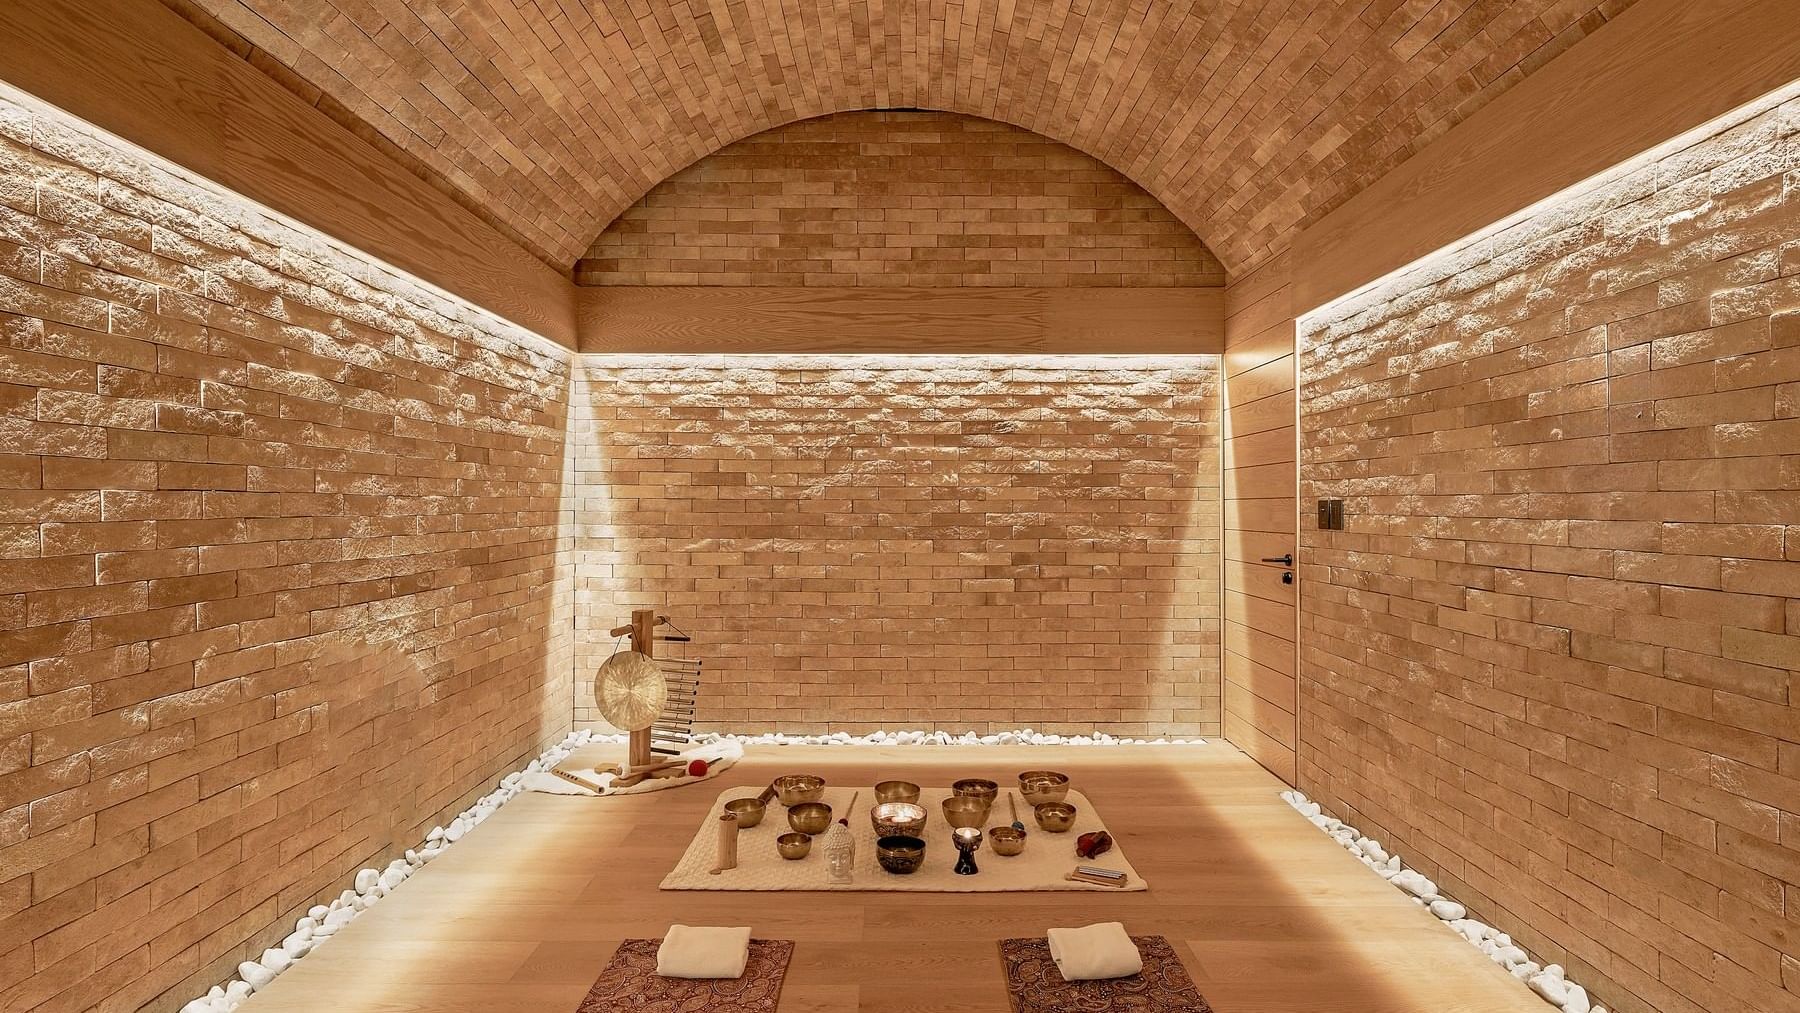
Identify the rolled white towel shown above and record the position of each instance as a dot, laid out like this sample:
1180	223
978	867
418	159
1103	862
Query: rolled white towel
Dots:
703	952
1096	951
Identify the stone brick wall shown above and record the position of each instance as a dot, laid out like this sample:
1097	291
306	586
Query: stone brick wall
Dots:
1249	120
1553	657
281	546
957	543
898	198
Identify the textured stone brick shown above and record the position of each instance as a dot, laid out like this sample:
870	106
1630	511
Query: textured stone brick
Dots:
203	498
1247	121
954	543
898	198
1615	781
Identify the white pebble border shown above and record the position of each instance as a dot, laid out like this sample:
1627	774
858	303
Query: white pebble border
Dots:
1020	737
323	921
1549	983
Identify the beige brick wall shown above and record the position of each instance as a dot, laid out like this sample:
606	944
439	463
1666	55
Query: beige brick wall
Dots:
939	543
898	198
1553	658
1250	120
280	553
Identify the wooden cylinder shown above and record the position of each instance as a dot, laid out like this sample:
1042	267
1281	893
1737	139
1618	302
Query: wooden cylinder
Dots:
728	832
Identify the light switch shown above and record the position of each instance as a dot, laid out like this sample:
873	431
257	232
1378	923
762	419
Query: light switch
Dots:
1331	515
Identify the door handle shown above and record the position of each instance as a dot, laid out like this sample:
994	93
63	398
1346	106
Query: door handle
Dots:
1287	560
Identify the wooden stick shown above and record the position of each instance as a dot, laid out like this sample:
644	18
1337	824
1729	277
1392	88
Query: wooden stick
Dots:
638	774
582	781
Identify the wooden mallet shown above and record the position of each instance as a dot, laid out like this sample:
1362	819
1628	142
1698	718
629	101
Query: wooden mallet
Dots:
694	768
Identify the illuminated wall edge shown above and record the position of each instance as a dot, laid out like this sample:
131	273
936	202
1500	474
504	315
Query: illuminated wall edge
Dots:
420	291
1485	243
890	360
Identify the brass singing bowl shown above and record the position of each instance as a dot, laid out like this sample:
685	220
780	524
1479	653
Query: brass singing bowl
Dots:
977	787
965	811
1006	841
1040	786
900	855
896	791
797	788
810	817
898	819
793	847
749	811
1055	817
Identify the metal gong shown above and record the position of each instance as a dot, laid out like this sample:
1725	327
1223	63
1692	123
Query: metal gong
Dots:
630	691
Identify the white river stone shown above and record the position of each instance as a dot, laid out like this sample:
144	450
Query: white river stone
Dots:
254	974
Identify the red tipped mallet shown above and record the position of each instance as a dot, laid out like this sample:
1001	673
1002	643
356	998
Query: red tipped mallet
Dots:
667	768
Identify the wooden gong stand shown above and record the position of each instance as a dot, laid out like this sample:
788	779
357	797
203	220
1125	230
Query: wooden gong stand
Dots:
642	630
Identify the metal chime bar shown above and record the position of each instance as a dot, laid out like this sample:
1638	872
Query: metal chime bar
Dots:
674	728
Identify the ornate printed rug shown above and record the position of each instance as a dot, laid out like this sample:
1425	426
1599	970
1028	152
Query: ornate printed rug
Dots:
1036	986
630	982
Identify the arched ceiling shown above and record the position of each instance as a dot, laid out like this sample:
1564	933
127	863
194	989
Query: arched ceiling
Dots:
1247	118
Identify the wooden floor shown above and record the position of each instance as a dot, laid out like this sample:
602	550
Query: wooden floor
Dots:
1270	915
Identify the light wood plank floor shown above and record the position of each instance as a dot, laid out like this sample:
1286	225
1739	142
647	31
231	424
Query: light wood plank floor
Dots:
1270	915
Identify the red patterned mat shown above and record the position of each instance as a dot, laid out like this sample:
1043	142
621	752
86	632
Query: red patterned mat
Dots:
1036	986
630	982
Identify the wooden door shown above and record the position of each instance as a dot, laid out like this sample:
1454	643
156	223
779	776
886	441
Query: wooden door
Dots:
1258	482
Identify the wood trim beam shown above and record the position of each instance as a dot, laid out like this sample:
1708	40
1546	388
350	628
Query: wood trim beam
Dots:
1069	321
1659	69
138	70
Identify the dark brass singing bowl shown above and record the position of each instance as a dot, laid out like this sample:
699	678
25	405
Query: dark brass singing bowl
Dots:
905	819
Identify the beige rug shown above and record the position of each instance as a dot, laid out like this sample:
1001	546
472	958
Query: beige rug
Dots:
1047	859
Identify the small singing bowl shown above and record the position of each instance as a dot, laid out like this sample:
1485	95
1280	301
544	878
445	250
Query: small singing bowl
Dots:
810	817
896	791
898	819
900	854
965	811
1040	786
1007	841
1055	817
977	787
749	811
797	788
793	847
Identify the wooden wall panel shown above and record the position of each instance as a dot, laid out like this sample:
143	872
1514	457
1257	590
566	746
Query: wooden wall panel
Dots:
136	69
1258	492
1658	69
728	319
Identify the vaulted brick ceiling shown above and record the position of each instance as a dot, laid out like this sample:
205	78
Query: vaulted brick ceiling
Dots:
1247	119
